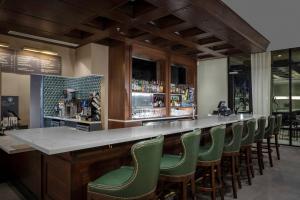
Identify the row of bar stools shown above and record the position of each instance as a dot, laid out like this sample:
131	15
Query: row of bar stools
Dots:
140	181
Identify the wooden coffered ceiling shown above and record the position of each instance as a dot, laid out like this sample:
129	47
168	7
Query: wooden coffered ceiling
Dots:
198	28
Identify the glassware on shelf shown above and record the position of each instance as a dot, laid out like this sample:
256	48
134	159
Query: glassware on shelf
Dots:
143	113
147	86
181	111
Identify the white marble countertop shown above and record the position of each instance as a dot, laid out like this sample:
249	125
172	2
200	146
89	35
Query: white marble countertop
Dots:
72	120
12	145
64	139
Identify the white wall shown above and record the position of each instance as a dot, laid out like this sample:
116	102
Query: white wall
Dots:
93	59
212	85
18	85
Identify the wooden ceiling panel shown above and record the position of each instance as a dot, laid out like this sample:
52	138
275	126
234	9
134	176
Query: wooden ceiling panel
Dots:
136	8
198	28
166	21
96	6
11	17
54	11
191	32
101	23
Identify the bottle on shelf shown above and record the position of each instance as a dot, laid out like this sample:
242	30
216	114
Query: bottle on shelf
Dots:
147	86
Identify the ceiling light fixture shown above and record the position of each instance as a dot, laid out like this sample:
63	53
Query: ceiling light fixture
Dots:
4	45
177	33
152	23
279	56
148	41
40	51
42	38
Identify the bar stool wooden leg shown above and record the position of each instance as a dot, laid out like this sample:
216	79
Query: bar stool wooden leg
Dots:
277	147
219	174
238	171
233	176
193	187
184	190
213	182
270	151
251	164
248	152
259	157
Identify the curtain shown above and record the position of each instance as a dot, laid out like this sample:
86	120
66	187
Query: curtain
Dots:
261	83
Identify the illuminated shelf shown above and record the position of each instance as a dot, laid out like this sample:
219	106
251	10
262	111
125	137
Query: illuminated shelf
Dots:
147	93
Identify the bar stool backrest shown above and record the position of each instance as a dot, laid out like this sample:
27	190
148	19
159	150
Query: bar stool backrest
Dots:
217	135
278	123
188	163
248	137
260	134
271	126
146	156
235	144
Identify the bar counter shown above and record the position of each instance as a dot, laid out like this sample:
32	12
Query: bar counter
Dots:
64	139
66	159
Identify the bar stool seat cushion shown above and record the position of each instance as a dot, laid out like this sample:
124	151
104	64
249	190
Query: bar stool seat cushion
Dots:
113	178
169	161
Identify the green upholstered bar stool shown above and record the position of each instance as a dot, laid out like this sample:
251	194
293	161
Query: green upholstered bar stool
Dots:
210	157
181	169
277	132
232	152
268	135
246	147
258	139
138	182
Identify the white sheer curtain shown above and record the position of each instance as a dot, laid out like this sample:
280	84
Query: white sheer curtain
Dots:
261	83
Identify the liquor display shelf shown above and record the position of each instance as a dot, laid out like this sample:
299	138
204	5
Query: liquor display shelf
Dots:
176	94
181	106
147	93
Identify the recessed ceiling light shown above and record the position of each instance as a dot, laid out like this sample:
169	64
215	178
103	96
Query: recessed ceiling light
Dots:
4	45
152	23
279	56
148	41
177	33
42	38
118	29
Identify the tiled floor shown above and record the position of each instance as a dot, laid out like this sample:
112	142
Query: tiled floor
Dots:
8	192
281	182
278	183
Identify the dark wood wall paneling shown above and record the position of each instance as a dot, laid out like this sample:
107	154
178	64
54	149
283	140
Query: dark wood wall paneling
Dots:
201	29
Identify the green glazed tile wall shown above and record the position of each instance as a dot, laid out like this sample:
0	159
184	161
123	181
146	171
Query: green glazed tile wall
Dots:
53	87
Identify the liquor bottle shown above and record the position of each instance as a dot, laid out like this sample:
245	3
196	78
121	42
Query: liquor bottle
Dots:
161	87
